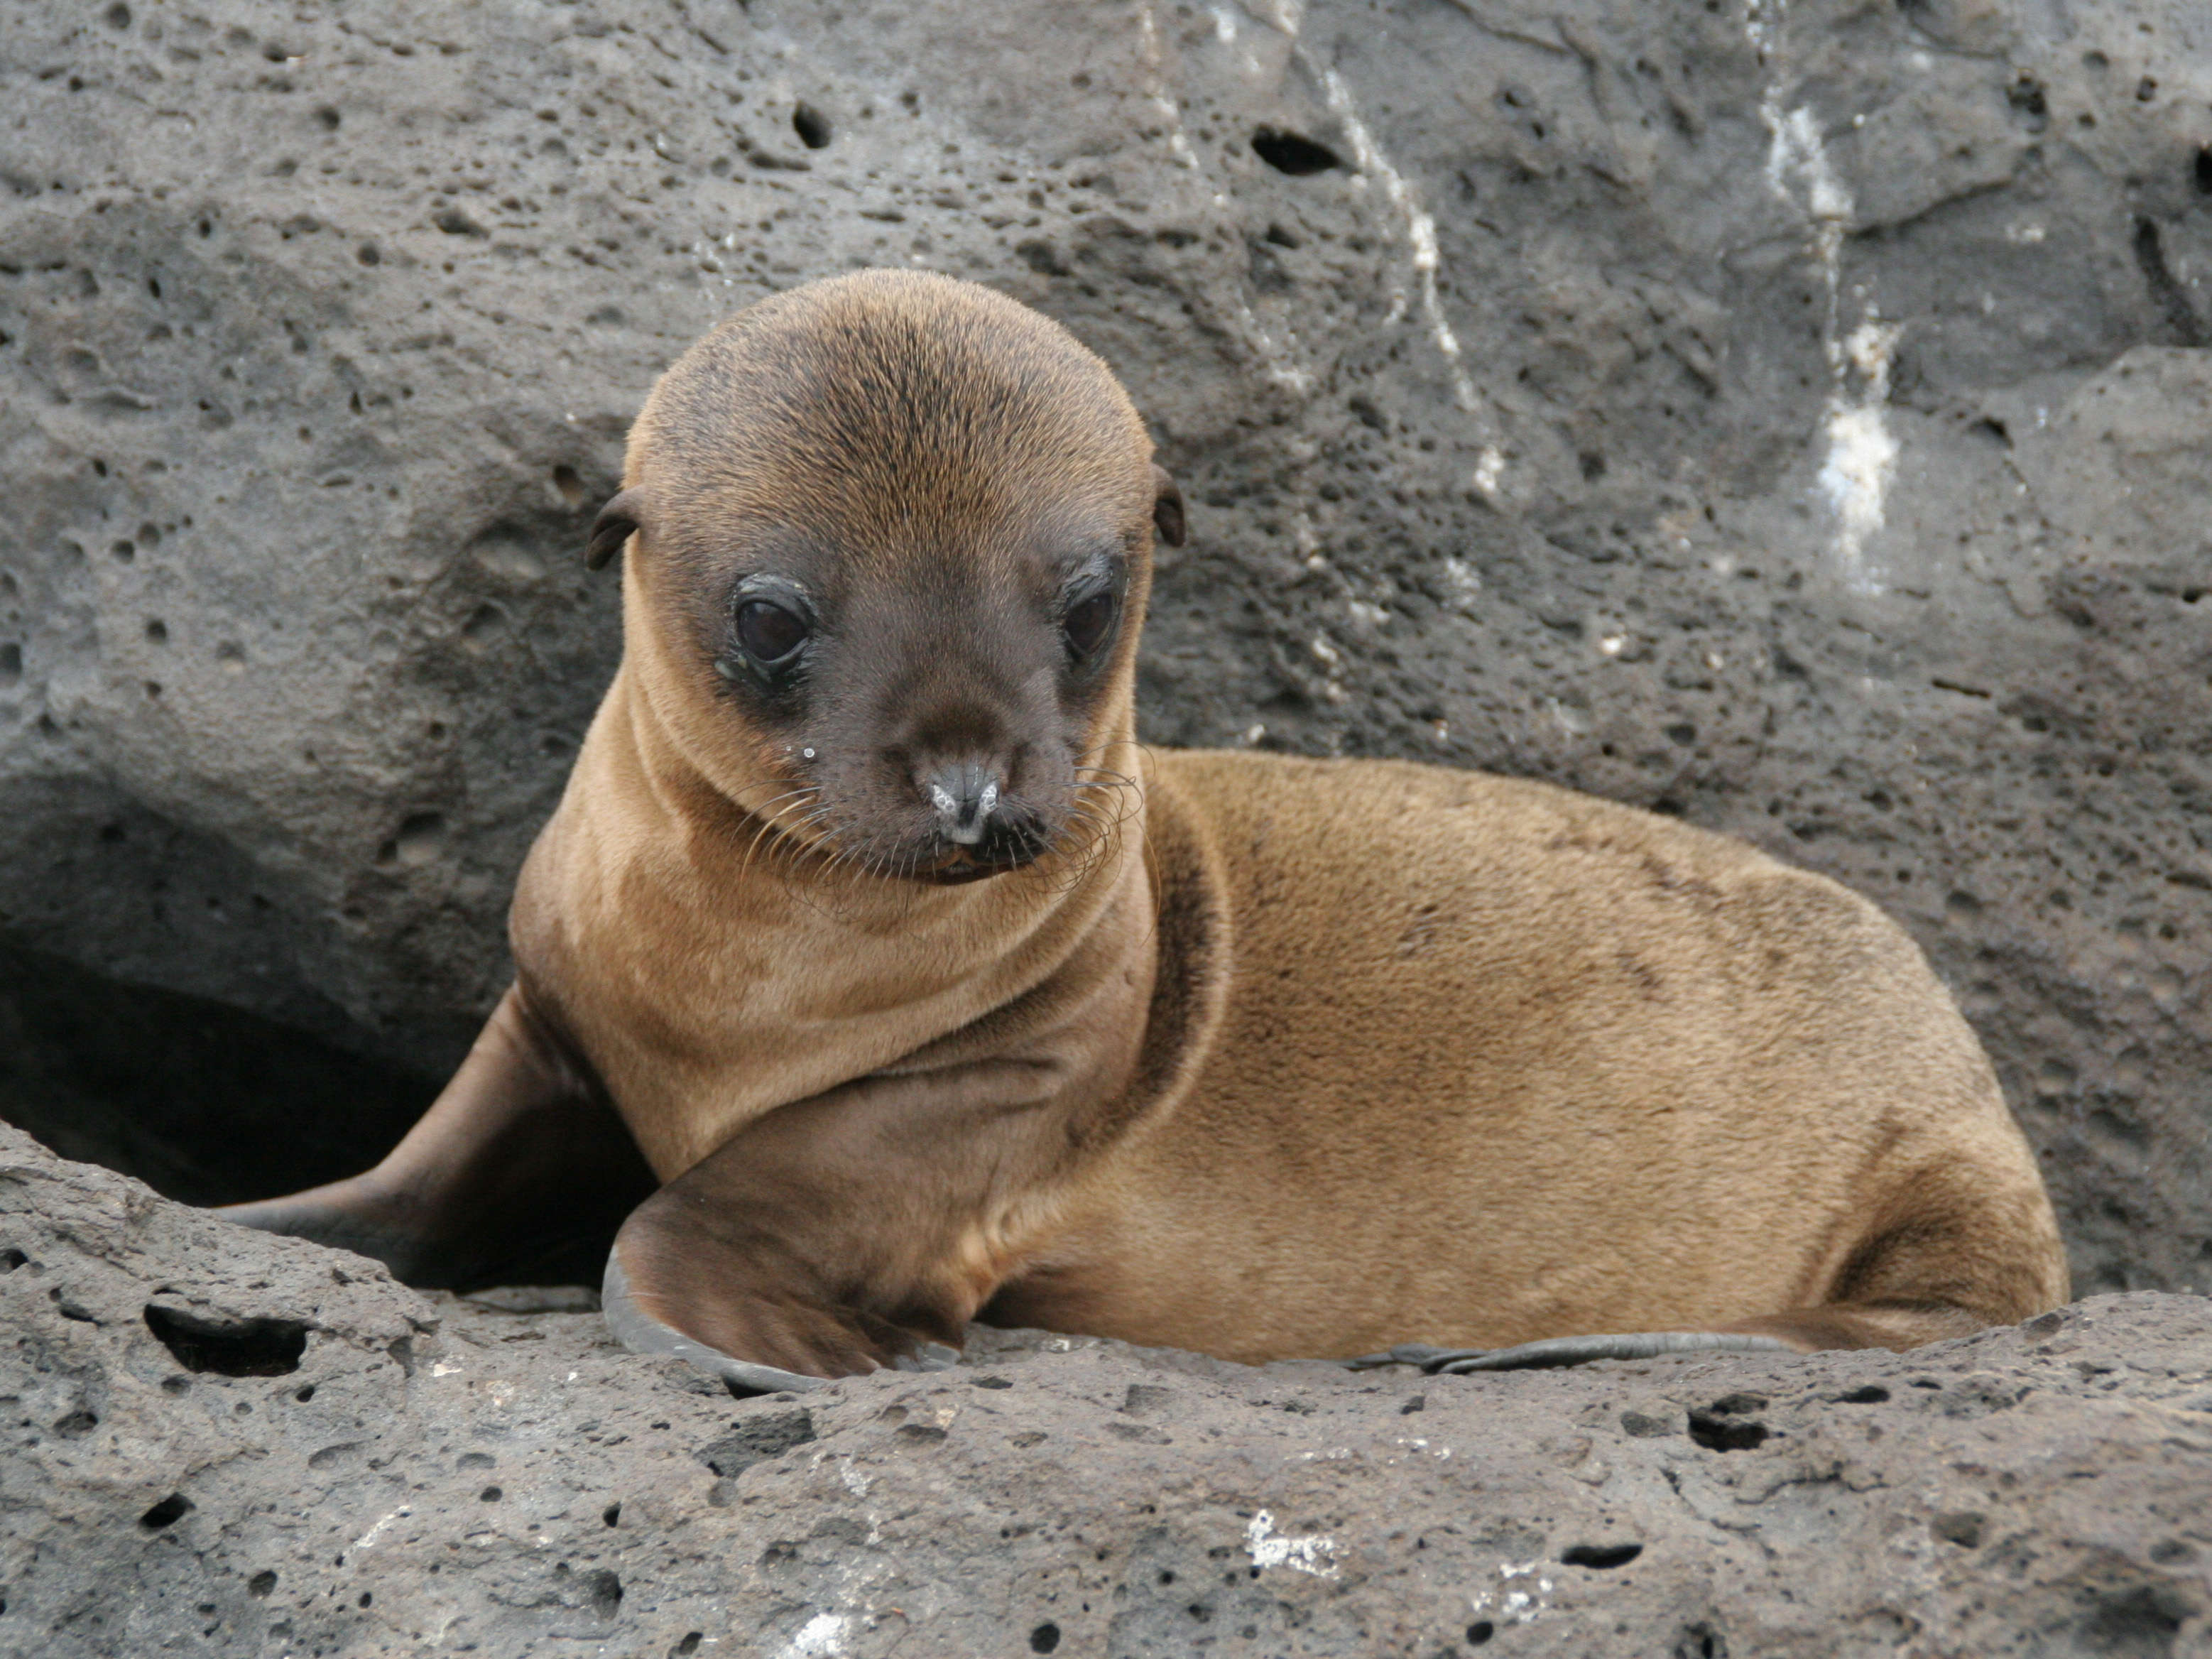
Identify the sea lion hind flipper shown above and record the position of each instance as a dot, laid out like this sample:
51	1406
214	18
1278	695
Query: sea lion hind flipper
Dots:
519	1173
1803	1330
1558	1351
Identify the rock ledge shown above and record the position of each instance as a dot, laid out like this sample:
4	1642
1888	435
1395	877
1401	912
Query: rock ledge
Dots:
222	1443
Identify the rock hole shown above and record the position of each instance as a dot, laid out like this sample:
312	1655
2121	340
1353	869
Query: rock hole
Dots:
1044	1639
157	632
1872	1393
261	1584
568	486
77	1424
690	1645
118	15
1480	1632
1700	1641
367	1596
1963	1528
11	670
604	1590
236	1347
485	624
490	1495
990	1383
422	837
812	126
1602	1556
756	1439
611	1515
170	1510
2166	291
1715	1431
369	254
2201	171
1293	153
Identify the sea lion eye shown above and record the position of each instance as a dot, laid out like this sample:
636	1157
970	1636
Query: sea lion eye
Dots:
1088	620
768	632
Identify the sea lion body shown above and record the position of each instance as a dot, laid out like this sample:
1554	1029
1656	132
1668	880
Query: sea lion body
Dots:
1493	1062
926	992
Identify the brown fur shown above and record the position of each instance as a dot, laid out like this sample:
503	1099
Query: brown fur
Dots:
1265	1057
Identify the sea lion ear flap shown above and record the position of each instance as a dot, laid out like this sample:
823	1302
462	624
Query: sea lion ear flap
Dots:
1167	508
617	522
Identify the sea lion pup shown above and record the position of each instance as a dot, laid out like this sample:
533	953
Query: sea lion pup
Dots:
927	995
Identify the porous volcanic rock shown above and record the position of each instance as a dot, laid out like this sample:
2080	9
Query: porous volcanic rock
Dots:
1790	416
219	1442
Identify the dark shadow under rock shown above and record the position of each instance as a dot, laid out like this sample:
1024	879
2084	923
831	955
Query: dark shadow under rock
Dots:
205	1103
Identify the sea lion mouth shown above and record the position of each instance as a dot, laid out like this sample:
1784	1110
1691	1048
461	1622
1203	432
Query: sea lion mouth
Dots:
960	866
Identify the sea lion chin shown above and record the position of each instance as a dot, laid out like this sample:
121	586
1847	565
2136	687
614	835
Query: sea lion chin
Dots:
1261	1057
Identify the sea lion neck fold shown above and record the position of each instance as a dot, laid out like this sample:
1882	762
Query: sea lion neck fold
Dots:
870	751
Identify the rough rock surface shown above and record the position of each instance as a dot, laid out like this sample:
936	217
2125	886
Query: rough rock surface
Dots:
1787	415
224	1443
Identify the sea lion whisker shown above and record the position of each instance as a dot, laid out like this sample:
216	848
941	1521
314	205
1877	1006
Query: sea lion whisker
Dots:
767	826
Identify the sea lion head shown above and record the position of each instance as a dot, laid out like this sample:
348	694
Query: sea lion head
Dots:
889	545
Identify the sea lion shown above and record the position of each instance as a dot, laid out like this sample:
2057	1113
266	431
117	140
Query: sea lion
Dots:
928	994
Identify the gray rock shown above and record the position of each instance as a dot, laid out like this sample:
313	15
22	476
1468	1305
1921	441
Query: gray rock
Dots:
1788	418
222	1443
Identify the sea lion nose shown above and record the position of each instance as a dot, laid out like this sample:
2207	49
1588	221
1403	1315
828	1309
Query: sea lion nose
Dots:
965	795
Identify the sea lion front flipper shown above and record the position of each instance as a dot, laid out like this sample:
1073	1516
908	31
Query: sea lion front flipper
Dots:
851	1231
520	1172
641	1332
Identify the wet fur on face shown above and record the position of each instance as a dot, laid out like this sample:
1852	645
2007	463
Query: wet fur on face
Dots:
950	503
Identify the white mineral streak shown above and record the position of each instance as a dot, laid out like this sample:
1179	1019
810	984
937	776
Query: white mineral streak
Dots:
1420	231
1272	355
1861	462
1313	1554
1862	459
378	1531
1515	1605
1156	89
821	1637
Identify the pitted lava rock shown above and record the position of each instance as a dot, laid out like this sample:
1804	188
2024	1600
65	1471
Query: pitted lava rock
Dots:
451	1476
